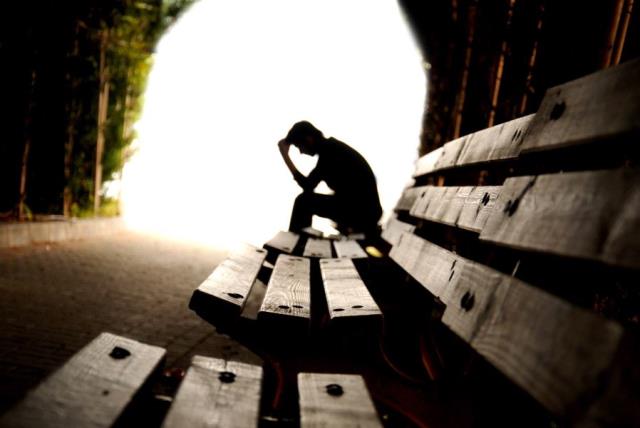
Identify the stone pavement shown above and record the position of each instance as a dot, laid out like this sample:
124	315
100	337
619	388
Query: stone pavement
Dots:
55	298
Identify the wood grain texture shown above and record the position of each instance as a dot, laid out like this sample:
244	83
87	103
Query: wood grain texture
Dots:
349	249
557	352
283	241
347	295
499	142
450	153
427	163
477	207
599	106
319	248
432	266
593	215
394	229
288	291
408	198
204	400
231	282
319	409
91	389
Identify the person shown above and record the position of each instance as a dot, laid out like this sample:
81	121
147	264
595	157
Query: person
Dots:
355	205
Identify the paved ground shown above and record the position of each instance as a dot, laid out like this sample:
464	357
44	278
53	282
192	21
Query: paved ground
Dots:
57	297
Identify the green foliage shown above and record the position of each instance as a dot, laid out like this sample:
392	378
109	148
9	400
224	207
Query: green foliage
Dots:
134	28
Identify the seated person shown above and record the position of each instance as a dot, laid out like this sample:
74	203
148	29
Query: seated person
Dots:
355	205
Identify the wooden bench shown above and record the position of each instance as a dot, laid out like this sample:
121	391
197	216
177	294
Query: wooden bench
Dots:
110	382
508	298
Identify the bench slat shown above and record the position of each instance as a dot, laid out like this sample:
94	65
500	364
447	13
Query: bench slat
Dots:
499	142
347	296
92	389
478	207
217	393
594	215
283	241
432	266
450	153
319	248
349	249
427	163
408	197
599	106
394	229
335	400
557	352
288	291
231	282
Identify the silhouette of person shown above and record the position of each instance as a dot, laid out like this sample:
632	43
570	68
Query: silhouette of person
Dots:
355	204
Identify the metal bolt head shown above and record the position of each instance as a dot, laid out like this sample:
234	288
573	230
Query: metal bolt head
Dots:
118	353
334	389
467	301
227	377
558	110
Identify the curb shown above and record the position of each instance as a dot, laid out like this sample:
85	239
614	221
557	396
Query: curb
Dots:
21	234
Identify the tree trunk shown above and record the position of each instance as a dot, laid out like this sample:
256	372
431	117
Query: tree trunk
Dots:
28	128
457	121
72	114
103	105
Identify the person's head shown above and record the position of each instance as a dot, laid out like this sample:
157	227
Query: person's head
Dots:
305	137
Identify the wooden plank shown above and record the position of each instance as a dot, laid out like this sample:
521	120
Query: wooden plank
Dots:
432	266
92	389
319	248
394	229
443	198
593	215
421	204
217	393
477	208
451	212
288	292
408	197
599	106
499	142
335	400
284	242
557	352
347	295
450	153
350	249
230	283
427	163
312	232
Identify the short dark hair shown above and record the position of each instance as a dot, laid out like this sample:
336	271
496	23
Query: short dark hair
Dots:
301	130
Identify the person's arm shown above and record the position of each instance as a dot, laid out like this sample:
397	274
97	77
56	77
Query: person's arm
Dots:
307	183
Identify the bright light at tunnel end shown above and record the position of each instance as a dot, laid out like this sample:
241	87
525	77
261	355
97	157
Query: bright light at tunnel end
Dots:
229	80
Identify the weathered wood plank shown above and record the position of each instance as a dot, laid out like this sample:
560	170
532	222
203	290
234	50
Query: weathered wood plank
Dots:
408	198
450	153
477	207
319	248
499	142
394	229
231	281
217	393
283	241
347	295
92	389
437	208
593	215
332	400
432	266
599	106
427	163
557	352
288	292
349	249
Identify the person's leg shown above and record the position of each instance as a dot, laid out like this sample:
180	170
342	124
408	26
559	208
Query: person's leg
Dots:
307	205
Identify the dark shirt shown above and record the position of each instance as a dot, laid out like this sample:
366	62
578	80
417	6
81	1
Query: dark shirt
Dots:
349	175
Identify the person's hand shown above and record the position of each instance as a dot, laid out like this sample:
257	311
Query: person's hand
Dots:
283	145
